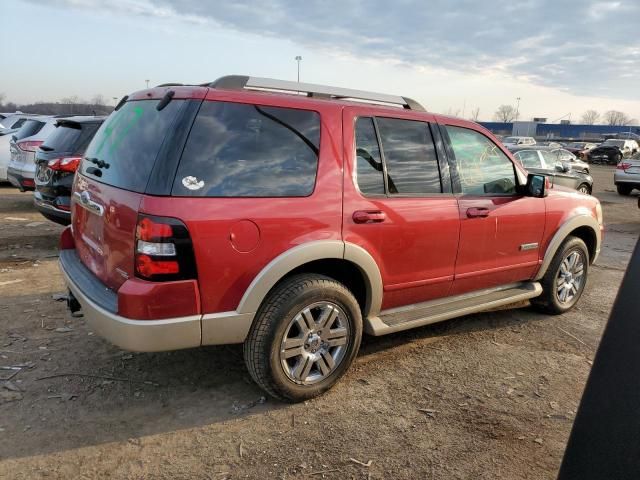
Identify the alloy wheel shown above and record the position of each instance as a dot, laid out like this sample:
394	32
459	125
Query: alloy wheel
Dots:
569	280
314	343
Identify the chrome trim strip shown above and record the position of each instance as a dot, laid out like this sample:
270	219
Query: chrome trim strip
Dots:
85	202
528	246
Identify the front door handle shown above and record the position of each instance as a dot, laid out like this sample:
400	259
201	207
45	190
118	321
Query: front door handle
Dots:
477	212
369	216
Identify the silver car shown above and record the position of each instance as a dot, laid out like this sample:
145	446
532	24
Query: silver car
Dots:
627	175
23	146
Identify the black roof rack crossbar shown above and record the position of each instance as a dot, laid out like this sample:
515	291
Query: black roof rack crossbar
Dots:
239	82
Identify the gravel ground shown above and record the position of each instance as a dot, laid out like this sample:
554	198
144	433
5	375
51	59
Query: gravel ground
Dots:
491	395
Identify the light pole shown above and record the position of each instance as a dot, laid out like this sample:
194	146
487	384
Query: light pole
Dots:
518	108
115	100
298	59
147	83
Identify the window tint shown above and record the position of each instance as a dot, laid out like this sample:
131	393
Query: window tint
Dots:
529	158
240	150
482	167
410	155
28	129
129	142
71	137
369	171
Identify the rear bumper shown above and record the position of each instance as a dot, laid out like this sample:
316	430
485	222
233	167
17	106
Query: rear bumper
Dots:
20	180
626	178
100	304
50	211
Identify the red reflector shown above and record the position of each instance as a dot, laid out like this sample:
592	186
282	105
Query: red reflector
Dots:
147	267
30	146
623	166
147	230
28	182
64	164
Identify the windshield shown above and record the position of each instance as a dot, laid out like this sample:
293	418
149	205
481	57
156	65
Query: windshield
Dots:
124	149
510	140
614	143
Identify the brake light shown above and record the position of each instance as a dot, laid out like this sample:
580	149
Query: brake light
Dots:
64	164
623	166
163	249
28	182
30	146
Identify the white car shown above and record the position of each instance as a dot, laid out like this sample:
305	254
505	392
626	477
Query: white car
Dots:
518	141
23	145
5	156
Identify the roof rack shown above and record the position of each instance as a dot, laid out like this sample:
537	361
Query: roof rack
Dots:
240	82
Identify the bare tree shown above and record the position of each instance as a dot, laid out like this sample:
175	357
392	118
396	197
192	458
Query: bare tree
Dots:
2	97
453	113
617	118
590	117
505	113
98	100
72	100
475	114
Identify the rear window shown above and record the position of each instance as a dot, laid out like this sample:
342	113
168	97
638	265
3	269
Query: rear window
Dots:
124	150
29	128
72	137
243	150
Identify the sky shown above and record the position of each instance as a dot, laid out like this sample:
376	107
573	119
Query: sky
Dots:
453	56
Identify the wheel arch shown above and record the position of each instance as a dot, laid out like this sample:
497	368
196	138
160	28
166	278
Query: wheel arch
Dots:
345	262
584	227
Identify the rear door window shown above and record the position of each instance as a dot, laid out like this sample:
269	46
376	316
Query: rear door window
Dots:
245	150
410	156
124	150
529	159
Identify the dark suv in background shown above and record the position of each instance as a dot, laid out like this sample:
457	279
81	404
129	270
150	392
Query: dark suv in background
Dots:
57	160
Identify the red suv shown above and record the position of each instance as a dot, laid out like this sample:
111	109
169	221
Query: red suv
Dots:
234	212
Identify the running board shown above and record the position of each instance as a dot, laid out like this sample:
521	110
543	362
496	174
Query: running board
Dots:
419	314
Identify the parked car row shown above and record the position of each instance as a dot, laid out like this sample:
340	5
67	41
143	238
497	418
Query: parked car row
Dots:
43	154
609	152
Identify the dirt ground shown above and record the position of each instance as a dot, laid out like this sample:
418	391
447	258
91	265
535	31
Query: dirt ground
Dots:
491	395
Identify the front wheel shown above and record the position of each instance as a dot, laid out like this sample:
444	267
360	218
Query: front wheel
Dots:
584	188
565	279
304	338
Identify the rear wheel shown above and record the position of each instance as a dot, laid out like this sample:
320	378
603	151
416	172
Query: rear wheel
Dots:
305	336
618	157
565	279
584	188
624	189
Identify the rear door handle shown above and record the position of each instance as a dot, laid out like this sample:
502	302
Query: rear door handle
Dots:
477	212
369	216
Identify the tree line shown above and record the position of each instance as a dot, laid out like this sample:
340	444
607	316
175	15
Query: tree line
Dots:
508	113
73	105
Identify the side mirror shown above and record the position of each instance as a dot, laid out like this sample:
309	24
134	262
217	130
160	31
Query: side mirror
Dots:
537	186
563	167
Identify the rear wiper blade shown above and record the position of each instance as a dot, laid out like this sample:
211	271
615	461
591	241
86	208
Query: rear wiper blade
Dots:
99	163
45	148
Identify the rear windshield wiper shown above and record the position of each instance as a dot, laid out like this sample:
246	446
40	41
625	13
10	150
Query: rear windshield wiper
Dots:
99	163
46	149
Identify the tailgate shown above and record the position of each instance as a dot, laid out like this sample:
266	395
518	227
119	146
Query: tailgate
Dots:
104	224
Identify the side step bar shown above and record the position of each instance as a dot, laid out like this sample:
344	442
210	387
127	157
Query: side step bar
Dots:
404	318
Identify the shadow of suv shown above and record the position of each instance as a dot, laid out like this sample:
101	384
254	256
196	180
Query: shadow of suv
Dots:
235	212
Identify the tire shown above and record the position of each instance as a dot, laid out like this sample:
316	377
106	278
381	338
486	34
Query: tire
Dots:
284	316
551	299
584	188
624	189
617	158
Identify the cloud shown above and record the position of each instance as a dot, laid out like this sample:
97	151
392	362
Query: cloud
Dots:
586	47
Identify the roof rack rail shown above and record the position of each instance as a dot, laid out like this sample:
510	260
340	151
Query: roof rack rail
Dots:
169	85
239	82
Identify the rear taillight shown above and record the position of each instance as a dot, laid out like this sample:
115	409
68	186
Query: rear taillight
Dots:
623	166
30	146
163	249
64	164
